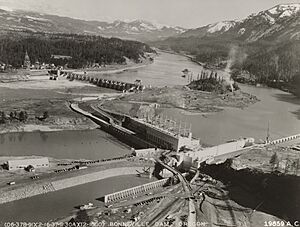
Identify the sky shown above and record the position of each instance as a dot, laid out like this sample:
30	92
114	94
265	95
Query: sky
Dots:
184	13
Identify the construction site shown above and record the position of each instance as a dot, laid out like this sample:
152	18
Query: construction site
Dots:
188	191
193	197
231	183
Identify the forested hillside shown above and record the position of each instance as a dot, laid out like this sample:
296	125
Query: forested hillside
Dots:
272	61
276	64
262	48
83	49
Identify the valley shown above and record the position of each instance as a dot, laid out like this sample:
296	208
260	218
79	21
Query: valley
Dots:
263	48
135	123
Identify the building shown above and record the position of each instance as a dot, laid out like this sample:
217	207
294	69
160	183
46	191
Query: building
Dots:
62	57
164	138
27	62
210	155
24	163
146	153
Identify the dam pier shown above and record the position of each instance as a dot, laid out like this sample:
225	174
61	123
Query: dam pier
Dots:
98	81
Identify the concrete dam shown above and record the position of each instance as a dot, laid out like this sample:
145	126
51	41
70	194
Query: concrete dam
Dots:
101	82
124	194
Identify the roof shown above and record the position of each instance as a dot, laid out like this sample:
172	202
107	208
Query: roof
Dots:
57	56
145	150
27	161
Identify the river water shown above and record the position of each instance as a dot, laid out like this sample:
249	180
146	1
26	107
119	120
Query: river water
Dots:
280	109
86	144
276	108
53	205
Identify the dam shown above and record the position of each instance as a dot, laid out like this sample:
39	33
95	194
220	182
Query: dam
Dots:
138	133
101	82
117	196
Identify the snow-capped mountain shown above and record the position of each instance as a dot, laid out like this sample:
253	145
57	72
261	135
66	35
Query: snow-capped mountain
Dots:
210	30
278	23
11	20
139	29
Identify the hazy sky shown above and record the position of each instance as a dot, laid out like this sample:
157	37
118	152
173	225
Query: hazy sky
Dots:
186	13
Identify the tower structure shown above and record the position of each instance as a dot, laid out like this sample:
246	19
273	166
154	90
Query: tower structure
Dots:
27	62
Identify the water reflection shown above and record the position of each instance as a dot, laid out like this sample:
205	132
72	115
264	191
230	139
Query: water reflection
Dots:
21	136
86	144
53	205
43	136
2	138
275	107
286	97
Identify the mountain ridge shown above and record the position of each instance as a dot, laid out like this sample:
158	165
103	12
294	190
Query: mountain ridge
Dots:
262	48
279	22
20	20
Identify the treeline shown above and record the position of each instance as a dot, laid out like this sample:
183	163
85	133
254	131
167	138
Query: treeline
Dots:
83	49
273	62
212	83
20	116
205	49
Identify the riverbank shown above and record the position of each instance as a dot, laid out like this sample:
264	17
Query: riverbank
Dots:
239	184
289	87
36	100
60	117
64	125
292	87
282	160
112	69
33	92
22	75
51	182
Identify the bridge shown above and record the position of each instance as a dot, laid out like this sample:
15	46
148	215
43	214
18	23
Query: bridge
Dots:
101	82
108	124
284	139
75	107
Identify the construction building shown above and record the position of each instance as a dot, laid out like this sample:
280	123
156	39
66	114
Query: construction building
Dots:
163	134
147	153
24	163
190	159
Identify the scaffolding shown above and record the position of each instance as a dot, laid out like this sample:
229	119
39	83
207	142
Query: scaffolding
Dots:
170	125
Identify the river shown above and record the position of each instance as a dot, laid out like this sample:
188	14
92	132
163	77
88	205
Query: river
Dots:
280	109
43	208
86	144
276	108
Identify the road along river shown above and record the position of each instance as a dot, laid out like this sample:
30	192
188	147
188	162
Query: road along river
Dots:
280	109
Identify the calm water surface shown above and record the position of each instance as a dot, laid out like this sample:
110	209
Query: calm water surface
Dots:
278	108
86	144
43	208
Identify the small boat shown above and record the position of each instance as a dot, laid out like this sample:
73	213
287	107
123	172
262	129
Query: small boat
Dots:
185	71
